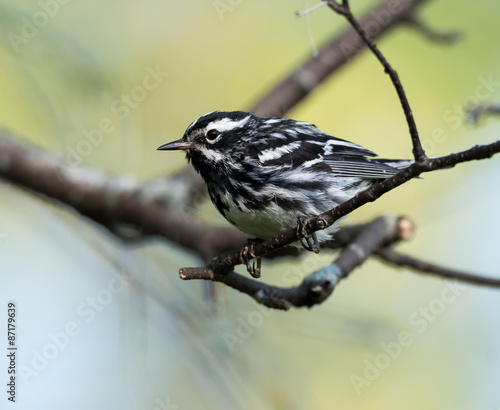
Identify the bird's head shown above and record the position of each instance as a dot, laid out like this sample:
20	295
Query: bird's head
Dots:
214	138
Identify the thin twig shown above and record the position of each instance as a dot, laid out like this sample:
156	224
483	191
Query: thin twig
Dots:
318	286
390	255
344	10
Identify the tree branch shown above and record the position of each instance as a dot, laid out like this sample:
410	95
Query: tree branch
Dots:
317	286
417	265
110	200
344	10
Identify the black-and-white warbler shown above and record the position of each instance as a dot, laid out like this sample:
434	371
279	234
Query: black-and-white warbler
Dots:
266	174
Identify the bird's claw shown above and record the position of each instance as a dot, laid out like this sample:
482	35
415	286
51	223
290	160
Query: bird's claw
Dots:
308	242
253	268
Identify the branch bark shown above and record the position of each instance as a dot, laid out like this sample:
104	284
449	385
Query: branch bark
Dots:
344	10
316	287
109	200
391	256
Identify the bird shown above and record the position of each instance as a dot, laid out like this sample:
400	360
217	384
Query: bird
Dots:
268	175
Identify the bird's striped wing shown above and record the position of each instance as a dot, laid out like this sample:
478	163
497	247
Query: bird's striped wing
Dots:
343	158
302	145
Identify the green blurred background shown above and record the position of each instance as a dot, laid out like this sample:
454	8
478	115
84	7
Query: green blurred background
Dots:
153	344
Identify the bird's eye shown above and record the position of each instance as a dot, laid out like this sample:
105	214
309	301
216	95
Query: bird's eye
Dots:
212	135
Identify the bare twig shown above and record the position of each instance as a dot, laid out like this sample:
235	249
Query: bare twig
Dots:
390	255
344	10
346	234
316	287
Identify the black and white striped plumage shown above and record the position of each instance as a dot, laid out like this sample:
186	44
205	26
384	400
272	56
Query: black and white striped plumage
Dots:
264	173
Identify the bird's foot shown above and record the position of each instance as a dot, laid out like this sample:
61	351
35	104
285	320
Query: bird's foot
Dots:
254	266
308	242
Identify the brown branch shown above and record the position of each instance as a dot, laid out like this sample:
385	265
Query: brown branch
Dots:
359	242
109	200
338	51
184	189
318	286
390	255
346	234
344	10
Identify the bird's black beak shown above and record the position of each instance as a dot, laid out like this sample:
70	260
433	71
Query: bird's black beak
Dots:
177	145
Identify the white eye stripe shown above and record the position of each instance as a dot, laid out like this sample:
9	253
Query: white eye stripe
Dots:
227	124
